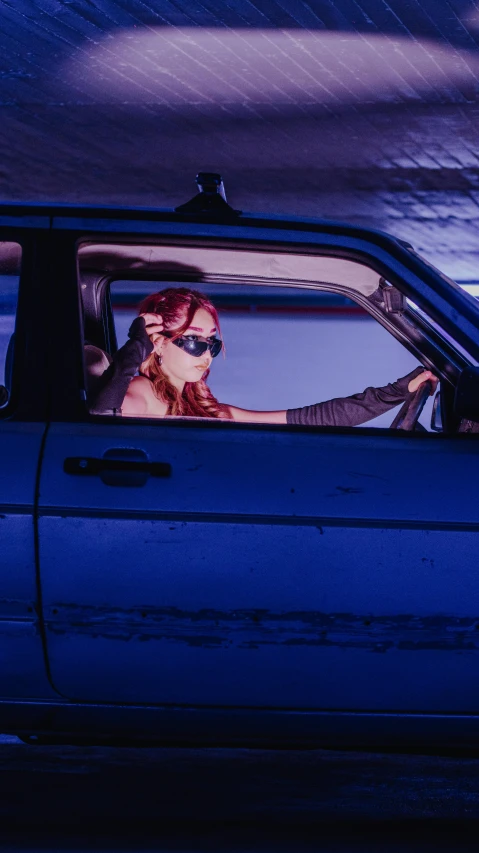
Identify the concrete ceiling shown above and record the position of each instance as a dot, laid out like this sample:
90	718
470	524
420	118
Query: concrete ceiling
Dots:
364	110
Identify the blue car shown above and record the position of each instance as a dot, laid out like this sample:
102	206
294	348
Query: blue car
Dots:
212	581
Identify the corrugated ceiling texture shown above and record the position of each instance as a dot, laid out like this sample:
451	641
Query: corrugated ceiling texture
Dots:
364	110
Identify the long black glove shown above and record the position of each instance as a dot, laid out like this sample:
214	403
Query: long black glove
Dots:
354	410
111	387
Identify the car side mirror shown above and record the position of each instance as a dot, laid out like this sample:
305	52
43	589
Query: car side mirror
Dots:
436	414
4	395
466	399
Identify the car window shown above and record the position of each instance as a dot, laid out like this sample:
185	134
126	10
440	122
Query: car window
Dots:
285	347
10	260
299	329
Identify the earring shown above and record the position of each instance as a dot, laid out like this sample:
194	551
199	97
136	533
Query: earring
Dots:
159	359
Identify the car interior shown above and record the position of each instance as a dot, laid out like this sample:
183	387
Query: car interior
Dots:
115	277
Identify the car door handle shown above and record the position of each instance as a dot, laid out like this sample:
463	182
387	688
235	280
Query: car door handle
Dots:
93	466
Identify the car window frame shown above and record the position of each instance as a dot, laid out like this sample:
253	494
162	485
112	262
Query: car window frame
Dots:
71	232
386	267
390	257
28	393
104	281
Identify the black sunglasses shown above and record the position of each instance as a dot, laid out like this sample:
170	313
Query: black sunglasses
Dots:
193	346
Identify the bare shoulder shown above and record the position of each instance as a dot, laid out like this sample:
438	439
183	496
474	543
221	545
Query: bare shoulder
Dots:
140	399
140	385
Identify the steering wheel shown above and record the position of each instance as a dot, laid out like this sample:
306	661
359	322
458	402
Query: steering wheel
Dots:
408	415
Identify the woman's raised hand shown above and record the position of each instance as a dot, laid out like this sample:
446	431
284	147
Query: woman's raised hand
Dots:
423	377
153	326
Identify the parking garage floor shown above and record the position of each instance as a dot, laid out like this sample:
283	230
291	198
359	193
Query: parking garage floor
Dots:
117	798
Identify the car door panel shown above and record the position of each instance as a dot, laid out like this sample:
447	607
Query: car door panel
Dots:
274	568
22	663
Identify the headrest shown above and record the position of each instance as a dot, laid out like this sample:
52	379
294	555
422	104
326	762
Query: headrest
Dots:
96	360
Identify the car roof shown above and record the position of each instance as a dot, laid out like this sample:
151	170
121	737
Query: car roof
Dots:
51	210
446	302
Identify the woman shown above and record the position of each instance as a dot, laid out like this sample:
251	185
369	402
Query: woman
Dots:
172	344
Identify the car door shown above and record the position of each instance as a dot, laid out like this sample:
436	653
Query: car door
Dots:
270	568
230	565
22	428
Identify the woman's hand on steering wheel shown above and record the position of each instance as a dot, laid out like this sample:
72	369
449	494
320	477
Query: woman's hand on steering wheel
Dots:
425	376
408	416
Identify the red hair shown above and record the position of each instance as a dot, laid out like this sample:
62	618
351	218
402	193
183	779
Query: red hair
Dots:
177	307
